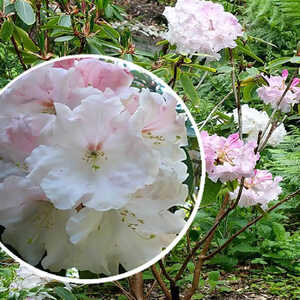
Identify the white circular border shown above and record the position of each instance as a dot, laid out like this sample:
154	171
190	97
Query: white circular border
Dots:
197	202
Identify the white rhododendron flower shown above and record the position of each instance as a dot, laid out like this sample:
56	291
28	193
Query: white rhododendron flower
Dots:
254	121
201	27
259	189
90	168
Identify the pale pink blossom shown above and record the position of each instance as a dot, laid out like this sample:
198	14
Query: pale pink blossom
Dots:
83	154
19	135
102	75
201	27
228	158
272	93
259	189
66	63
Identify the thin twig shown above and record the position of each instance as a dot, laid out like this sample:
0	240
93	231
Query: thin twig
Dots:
18	53
276	108
236	92
212	229
164	271
215	109
161	282
151	289
251	223
126	293
190	292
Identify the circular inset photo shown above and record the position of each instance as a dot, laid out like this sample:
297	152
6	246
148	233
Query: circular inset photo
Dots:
95	171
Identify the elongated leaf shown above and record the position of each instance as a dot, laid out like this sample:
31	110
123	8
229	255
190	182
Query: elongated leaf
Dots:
205	68
65	21
6	31
64	293
189	88
65	38
23	39
277	62
25	12
248	52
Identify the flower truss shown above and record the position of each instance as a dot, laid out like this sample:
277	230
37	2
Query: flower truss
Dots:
259	189
201	27
273	92
228	158
254	121
90	168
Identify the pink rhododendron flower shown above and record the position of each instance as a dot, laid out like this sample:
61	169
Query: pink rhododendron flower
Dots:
259	189
102	75
66	63
228	159
19	135
272	93
201	27
89	168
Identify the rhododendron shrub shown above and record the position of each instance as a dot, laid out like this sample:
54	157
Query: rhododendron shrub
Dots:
90	168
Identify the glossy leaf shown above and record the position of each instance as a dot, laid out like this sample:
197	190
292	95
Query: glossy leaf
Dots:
65	38
25	12
6	31
189	88
23	39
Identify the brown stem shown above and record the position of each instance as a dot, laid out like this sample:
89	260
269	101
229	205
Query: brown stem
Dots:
126	293
18	53
137	286
164	271
161	282
250	224
213	228
236	92
172	82
151	289
190	292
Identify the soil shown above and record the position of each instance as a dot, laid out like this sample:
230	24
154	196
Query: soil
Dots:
149	12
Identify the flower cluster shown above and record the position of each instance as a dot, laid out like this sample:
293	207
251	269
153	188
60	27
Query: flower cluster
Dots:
228	159
201	27
92	163
273	92
254	121
259	189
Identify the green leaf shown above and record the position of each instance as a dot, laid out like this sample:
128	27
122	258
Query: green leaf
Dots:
277	62
194	235
189	88
25	12
295	60
279	231
6	31
201	67
111	32
248	51
65	21
95	46
64	293
211	190
23	39
65	38
190	180
213	275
